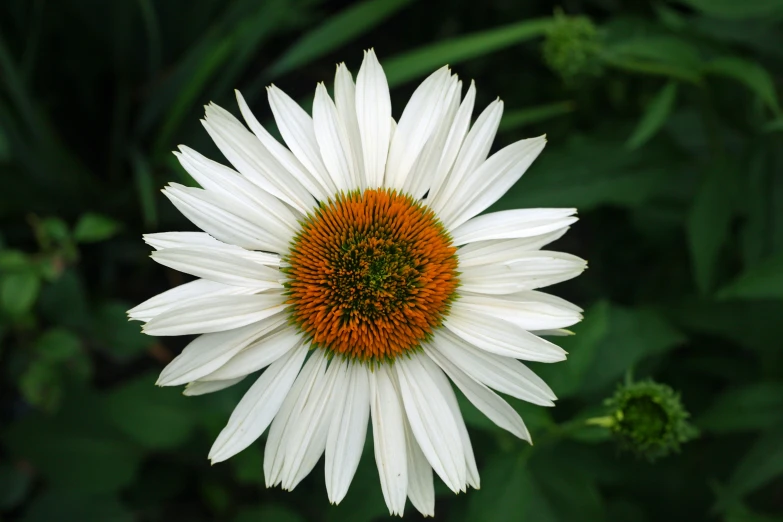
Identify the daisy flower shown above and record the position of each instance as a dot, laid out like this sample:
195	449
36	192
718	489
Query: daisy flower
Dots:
353	265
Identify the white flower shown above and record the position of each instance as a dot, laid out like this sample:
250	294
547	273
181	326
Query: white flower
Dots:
352	266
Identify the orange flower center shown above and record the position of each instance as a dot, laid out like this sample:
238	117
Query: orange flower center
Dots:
371	274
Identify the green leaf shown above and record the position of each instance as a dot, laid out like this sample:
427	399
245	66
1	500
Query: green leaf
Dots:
18	292
156	418
748	408
509	493
76	450
709	222
249	465
404	67
522	117
58	345
734	9
762	463
64	301
13	261
589	172
120	337
268	513
14	485
763	281
753	75
655	116
337	30
93	227
582	349
610	340
60	505
41	385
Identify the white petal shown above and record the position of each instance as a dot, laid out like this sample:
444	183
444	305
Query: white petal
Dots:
492	179
222	266
503	250
388	431
204	387
282	155
345	101
216	314
182	295
485	400
508	224
259	354
258	406
425	169
206	243
418	122
503	374
451	399
456	135
267	209
274	452
432	422
223	219
473	152
333	141
529	271
306	434
253	160
558	332
528	310
373	112
208	352
347	432
498	336
296	128
421	489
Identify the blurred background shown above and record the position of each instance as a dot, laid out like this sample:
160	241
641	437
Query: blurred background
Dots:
664	128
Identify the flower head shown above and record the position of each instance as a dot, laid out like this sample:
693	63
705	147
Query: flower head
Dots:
352	267
572	47
648	419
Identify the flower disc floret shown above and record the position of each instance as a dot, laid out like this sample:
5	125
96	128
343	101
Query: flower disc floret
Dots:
371	274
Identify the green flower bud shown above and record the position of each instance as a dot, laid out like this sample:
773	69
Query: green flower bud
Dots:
647	418
572	47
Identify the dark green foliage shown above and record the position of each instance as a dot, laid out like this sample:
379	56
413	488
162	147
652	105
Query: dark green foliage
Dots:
664	129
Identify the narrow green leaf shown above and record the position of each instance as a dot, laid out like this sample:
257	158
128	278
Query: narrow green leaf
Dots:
407	66
521	117
334	32
145	186
93	227
708	224
655	116
747	408
735	9
18	291
763	281
751	74
762	463
669	56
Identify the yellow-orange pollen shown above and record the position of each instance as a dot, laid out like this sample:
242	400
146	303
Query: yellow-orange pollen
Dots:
371	274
